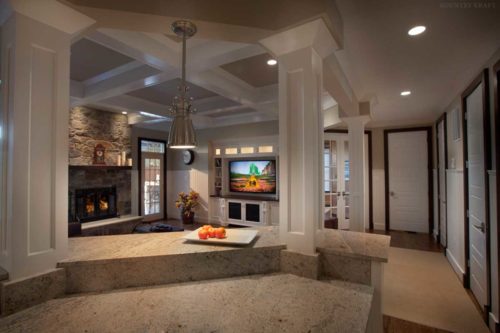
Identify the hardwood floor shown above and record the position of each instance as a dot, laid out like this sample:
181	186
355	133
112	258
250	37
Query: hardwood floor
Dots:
411	240
395	325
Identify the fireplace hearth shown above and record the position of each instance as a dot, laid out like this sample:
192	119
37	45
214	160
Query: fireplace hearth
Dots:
93	204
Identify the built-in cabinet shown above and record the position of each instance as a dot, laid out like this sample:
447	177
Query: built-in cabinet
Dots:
241	209
244	212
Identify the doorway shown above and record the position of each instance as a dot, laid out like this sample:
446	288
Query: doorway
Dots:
477	161
152	179
337	179
442	165
408	179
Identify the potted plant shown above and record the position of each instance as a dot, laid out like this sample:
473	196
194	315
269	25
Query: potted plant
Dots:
187	202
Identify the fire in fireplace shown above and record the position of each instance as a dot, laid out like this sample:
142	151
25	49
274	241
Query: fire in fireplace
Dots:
95	203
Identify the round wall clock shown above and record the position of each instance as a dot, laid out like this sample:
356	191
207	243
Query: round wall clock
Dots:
188	156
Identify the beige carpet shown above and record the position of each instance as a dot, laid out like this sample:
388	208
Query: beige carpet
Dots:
421	287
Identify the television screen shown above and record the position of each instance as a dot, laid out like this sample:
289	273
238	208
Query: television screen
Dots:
252	176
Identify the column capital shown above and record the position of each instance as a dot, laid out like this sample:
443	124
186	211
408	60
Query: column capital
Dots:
314	34
363	119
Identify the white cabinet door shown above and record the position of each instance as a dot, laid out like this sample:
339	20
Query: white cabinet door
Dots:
476	195
408	181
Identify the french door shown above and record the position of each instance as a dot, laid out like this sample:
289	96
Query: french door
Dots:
336	179
152	180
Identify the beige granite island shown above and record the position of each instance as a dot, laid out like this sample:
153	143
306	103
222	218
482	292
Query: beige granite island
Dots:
145	261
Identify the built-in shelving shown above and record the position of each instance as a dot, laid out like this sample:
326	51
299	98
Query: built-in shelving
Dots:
218	175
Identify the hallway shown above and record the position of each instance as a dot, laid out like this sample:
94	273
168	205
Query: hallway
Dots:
421	287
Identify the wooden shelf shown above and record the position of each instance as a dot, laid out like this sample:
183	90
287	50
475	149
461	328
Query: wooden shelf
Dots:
97	167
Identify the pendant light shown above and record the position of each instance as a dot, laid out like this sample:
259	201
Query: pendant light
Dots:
182	134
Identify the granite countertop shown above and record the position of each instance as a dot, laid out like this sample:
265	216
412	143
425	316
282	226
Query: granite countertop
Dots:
354	244
346	243
271	303
114	247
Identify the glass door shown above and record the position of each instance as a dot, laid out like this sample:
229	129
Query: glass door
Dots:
336	181
152	180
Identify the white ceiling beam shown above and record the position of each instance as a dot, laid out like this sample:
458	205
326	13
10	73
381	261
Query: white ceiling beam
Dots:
113	72
128	46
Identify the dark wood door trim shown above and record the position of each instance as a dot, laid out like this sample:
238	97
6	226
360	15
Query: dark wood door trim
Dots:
139	169
481	78
496	92
370	171
443	119
428	129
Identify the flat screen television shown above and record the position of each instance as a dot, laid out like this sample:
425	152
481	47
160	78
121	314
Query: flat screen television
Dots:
253	176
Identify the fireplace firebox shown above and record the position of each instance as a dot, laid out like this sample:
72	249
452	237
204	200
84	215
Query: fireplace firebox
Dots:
93	204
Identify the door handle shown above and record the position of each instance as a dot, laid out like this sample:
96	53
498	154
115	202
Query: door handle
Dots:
479	227
392	193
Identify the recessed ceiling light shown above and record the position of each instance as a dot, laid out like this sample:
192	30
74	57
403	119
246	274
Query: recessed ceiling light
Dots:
124	112
405	93
416	30
272	62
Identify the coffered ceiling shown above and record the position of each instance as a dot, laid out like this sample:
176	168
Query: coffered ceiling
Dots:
130	60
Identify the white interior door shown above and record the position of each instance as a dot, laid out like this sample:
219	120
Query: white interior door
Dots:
442	182
408	181
337	178
476	195
152	180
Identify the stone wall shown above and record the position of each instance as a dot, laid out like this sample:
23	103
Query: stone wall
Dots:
89	127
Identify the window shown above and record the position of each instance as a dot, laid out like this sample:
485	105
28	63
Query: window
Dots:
217	151
152	147
265	149
231	151
247	150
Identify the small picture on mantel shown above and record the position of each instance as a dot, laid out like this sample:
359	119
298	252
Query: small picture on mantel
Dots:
99	155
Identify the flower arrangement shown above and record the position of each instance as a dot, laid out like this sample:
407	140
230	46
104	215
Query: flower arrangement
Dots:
187	202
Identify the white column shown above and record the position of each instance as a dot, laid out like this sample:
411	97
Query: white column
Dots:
34	128
300	54
357	204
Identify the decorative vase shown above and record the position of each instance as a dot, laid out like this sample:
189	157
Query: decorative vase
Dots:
187	218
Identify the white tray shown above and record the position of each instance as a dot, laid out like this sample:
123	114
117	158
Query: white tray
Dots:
233	236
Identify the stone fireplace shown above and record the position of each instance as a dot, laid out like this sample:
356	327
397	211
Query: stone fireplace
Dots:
89	183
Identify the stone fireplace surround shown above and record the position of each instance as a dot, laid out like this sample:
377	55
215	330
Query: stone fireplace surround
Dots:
87	128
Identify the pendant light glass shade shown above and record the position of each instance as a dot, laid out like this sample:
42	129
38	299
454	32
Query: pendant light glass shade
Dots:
181	135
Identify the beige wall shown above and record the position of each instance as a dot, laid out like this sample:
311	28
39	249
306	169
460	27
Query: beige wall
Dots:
195	176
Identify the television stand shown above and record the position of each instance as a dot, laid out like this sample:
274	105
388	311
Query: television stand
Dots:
245	211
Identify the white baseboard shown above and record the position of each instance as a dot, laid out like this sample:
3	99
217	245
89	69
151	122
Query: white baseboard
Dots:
493	321
455	265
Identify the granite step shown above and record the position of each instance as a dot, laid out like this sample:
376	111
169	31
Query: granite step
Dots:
269	303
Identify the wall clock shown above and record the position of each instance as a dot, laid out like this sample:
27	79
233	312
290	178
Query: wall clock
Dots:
188	157
99	152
